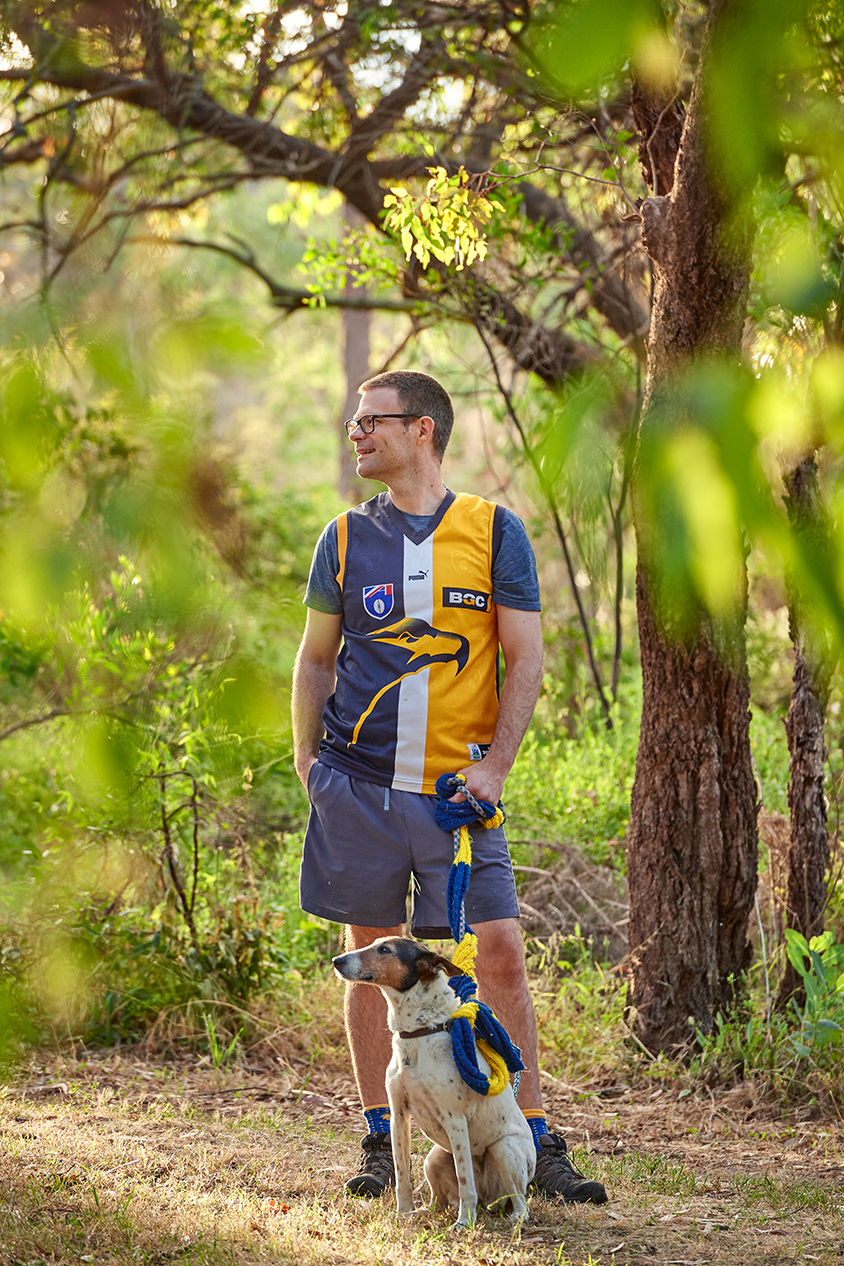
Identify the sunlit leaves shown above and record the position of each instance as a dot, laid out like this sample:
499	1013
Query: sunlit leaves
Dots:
247	699
360	258
757	89
83	486
706	506
778	415
797	258
302	203
828	390
570	428
700	488
718	439
447	222
104	761
705	498
772	85
581	43
818	962
29	427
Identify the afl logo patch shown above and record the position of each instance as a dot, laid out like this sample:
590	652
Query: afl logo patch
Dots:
378	600
467	599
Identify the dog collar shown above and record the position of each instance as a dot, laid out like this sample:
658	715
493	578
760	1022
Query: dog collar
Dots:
430	1028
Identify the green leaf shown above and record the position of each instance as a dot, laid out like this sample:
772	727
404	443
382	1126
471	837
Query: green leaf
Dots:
826	1031
798	951
583	42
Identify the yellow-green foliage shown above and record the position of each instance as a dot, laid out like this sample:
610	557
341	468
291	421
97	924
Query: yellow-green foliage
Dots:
446	222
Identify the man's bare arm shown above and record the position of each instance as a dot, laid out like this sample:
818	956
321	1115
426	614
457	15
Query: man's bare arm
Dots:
520	635
314	675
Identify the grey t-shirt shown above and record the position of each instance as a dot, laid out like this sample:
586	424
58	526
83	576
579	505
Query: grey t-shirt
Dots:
514	579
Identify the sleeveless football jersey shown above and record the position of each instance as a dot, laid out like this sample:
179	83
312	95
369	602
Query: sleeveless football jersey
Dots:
417	675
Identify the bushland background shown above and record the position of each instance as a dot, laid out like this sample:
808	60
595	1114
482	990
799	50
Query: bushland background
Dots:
181	339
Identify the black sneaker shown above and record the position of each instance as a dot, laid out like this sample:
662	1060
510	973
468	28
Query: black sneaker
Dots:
556	1176
376	1171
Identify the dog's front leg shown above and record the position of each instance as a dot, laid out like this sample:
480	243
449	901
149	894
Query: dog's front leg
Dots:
458	1137
400	1138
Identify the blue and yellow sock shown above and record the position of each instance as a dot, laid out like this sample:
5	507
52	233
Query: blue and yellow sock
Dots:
538	1123
378	1118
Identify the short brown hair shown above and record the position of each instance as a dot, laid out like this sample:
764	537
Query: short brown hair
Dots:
421	395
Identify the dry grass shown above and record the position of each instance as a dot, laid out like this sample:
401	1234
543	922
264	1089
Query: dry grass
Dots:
123	1161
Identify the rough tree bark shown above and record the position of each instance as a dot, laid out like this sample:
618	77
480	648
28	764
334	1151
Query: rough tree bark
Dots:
808	853
692	841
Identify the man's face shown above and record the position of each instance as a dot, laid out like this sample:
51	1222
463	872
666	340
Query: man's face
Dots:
390	448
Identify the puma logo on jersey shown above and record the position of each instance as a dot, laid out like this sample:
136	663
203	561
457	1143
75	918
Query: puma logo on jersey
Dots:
468	599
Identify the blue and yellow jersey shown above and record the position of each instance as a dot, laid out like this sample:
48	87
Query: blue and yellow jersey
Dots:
417	681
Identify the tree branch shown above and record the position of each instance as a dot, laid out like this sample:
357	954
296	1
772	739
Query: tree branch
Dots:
30	721
289	297
184	104
172	863
610	296
383	117
28	152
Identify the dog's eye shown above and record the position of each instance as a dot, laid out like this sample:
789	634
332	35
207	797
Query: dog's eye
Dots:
383	949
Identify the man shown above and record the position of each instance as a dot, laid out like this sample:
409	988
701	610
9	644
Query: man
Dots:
421	588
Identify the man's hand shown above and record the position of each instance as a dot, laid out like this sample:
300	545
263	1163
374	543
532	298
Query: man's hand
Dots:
484	780
303	768
520	635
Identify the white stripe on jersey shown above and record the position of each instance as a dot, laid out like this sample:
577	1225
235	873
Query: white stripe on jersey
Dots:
412	720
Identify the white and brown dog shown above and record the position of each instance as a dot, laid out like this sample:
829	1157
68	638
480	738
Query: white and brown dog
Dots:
483	1147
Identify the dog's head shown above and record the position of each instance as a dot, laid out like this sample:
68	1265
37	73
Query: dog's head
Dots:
393	962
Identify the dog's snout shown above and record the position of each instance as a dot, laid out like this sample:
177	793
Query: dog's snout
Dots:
342	965
351	966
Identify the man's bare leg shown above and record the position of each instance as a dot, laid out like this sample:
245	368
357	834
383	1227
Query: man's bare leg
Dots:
370	1046
502	985
365	1012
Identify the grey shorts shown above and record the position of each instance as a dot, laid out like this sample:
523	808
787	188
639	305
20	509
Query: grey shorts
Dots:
364	845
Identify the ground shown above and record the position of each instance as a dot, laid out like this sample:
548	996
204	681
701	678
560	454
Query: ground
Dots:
110	1157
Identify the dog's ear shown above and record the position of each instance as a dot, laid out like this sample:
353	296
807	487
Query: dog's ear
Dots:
430	963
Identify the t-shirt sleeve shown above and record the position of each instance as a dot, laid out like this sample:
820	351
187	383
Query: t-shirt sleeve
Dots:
323	592
514	579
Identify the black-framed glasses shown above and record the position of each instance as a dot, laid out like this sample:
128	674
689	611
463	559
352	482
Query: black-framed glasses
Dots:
367	422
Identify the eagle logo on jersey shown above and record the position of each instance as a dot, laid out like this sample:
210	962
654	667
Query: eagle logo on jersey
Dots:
417	646
378	600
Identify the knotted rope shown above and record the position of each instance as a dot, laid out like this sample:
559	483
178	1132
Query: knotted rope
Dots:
473	1022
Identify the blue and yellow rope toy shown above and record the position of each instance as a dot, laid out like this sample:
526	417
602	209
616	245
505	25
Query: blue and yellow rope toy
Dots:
473	1022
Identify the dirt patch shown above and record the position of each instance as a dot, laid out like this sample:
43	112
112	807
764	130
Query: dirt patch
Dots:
115	1158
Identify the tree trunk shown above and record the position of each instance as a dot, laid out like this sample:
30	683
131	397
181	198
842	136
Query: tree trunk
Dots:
692	847
808	853
692	838
356	351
